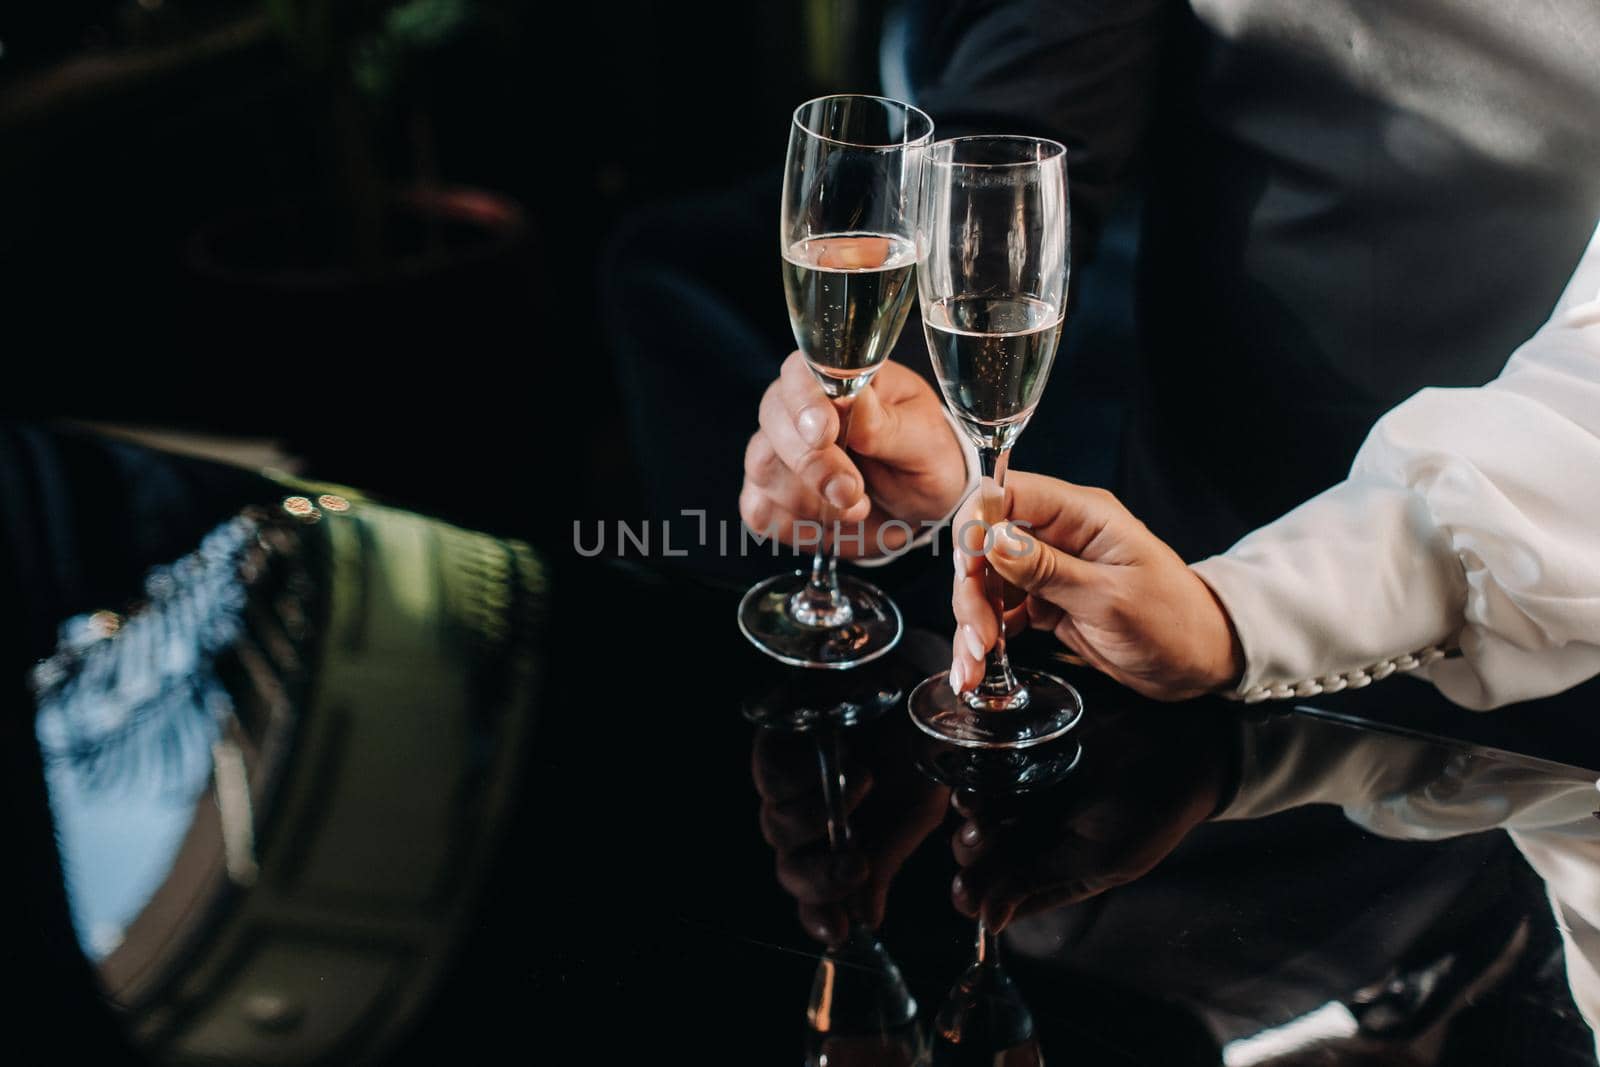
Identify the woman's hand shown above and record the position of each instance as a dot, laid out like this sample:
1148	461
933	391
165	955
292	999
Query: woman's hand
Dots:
1154	775
1108	588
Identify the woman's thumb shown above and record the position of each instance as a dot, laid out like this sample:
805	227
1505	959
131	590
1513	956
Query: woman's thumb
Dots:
1030	564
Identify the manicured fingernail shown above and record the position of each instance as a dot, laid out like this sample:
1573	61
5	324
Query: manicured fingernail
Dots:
971	835
974	642
955	680
813	427
1010	542
820	931
840	490
961	892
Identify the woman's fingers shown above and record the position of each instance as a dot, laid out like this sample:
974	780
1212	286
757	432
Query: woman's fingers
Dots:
1043	615
827	923
976	629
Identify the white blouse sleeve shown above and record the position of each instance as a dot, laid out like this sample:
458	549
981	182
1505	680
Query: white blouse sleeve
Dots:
1470	519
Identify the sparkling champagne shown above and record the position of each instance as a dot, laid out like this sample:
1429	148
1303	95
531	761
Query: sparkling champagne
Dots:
848	298
992	356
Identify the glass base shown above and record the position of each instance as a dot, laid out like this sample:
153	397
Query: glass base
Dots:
1051	709
766	617
858	989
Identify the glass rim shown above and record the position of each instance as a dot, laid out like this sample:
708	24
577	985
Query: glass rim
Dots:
1055	150
910	109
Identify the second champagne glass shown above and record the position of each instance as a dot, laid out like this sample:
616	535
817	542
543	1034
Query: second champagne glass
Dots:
847	238
992	273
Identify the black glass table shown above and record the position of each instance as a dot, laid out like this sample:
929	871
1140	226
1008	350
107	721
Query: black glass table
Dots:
304	778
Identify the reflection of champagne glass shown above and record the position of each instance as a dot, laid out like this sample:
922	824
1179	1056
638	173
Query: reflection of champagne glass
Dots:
858	990
984	1020
802	701
992	238
846	236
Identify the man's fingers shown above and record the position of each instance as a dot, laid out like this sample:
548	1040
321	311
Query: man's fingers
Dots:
764	470
764	516
783	767
875	429
792	824
762	466
899	421
860	532
819	876
812	414
826	470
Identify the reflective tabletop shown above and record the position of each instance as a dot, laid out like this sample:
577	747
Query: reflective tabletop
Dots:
301	777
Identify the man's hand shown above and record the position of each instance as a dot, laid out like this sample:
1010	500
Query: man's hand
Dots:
1108	588
904	461
890	805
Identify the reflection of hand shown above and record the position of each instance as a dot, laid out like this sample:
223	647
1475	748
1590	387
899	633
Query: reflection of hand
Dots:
1148	778
904	462
891	809
1097	578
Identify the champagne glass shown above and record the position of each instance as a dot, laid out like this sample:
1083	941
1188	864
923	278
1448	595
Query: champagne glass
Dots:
992	273
847	239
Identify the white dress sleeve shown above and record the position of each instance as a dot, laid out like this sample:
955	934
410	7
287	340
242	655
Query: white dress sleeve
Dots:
1470	520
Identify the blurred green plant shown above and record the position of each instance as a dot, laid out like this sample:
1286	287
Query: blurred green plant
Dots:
408	29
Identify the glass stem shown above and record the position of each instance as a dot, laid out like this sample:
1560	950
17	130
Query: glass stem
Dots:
833	787
999	688
838	818
988	945
821	603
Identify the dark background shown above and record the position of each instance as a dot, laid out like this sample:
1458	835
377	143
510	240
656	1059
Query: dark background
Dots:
190	213
208	221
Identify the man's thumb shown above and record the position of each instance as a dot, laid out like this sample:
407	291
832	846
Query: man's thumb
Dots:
873	427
